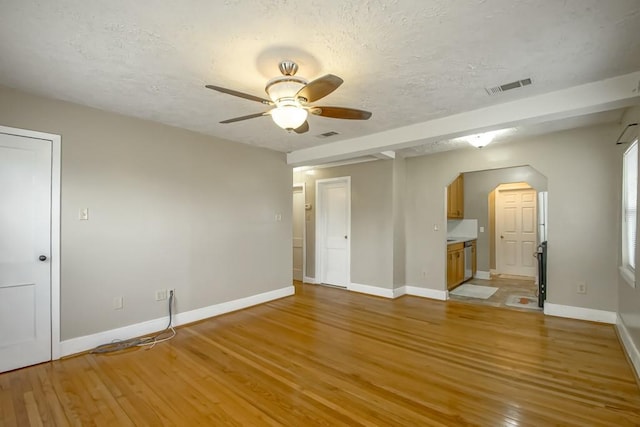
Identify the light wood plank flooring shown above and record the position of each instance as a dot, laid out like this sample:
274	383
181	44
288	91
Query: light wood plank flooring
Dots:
331	357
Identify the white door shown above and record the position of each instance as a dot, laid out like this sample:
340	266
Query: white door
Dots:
25	237
516	232
298	232
333	224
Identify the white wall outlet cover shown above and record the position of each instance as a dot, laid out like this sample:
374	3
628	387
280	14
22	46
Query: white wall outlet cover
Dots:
482	229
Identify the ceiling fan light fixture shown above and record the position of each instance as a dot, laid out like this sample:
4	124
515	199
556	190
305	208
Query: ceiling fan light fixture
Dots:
284	88
289	117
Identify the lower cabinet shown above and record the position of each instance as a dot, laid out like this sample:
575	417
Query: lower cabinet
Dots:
455	265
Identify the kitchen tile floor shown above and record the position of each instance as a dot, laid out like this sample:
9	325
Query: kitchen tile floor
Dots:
507	286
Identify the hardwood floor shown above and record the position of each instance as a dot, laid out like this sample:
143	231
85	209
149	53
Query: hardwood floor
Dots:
330	357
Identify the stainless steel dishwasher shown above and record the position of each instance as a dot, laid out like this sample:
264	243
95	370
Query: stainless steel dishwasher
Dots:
468	260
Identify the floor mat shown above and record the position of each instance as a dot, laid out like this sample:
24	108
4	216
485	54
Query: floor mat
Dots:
522	301
474	291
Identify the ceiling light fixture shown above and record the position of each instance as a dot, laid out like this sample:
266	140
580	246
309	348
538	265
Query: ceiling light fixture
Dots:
289	113
289	117
480	140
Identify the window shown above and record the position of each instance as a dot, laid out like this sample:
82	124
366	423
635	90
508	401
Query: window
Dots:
629	211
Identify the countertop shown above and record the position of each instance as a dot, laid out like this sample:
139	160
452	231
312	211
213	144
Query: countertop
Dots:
454	240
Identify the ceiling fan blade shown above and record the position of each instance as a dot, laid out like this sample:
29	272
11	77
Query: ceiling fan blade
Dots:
319	88
341	113
250	116
303	128
239	94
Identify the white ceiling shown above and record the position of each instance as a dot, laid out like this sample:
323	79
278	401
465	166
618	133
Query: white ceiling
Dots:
406	61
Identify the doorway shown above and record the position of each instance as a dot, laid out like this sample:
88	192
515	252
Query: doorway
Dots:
516	230
29	250
333	230
298	220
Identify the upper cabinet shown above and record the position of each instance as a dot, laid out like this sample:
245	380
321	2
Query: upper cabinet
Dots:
455	199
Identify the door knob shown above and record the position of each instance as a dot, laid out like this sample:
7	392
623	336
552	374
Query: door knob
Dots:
42	257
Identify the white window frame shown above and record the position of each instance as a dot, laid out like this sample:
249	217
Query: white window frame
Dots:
627	269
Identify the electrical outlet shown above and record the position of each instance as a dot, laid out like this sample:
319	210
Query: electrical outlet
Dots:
161	295
118	303
581	287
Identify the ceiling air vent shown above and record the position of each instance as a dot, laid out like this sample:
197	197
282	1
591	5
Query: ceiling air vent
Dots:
508	86
327	134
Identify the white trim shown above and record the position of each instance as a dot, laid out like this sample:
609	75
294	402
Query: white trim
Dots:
54	256
580	313
311	280
627	275
320	227
371	290
304	226
398	292
629	346
427	293
80	344
602	95
484	275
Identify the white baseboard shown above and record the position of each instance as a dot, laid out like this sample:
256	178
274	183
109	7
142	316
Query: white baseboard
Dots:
398	292
484	275
629	346
80	344
371	290
311	280
580	313
427	293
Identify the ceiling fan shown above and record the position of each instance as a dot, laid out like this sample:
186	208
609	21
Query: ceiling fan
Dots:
291	95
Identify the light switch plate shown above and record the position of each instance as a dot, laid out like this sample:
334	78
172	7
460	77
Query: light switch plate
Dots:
83	214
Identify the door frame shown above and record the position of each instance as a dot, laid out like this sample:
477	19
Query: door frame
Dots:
54	256
304	227
320	226
511	186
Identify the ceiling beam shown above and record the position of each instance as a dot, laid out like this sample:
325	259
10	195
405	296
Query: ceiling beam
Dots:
603	95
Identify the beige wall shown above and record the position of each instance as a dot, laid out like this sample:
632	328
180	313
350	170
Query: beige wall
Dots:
168	208
629	297
583	172
399	236
477	186
371	220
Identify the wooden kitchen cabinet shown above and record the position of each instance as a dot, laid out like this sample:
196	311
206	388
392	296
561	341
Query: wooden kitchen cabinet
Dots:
455	198
455	265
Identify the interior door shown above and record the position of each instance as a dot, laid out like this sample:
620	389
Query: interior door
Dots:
298	233
334	207
25	247
516	227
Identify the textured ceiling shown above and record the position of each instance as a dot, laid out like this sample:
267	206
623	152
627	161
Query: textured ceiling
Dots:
406	61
